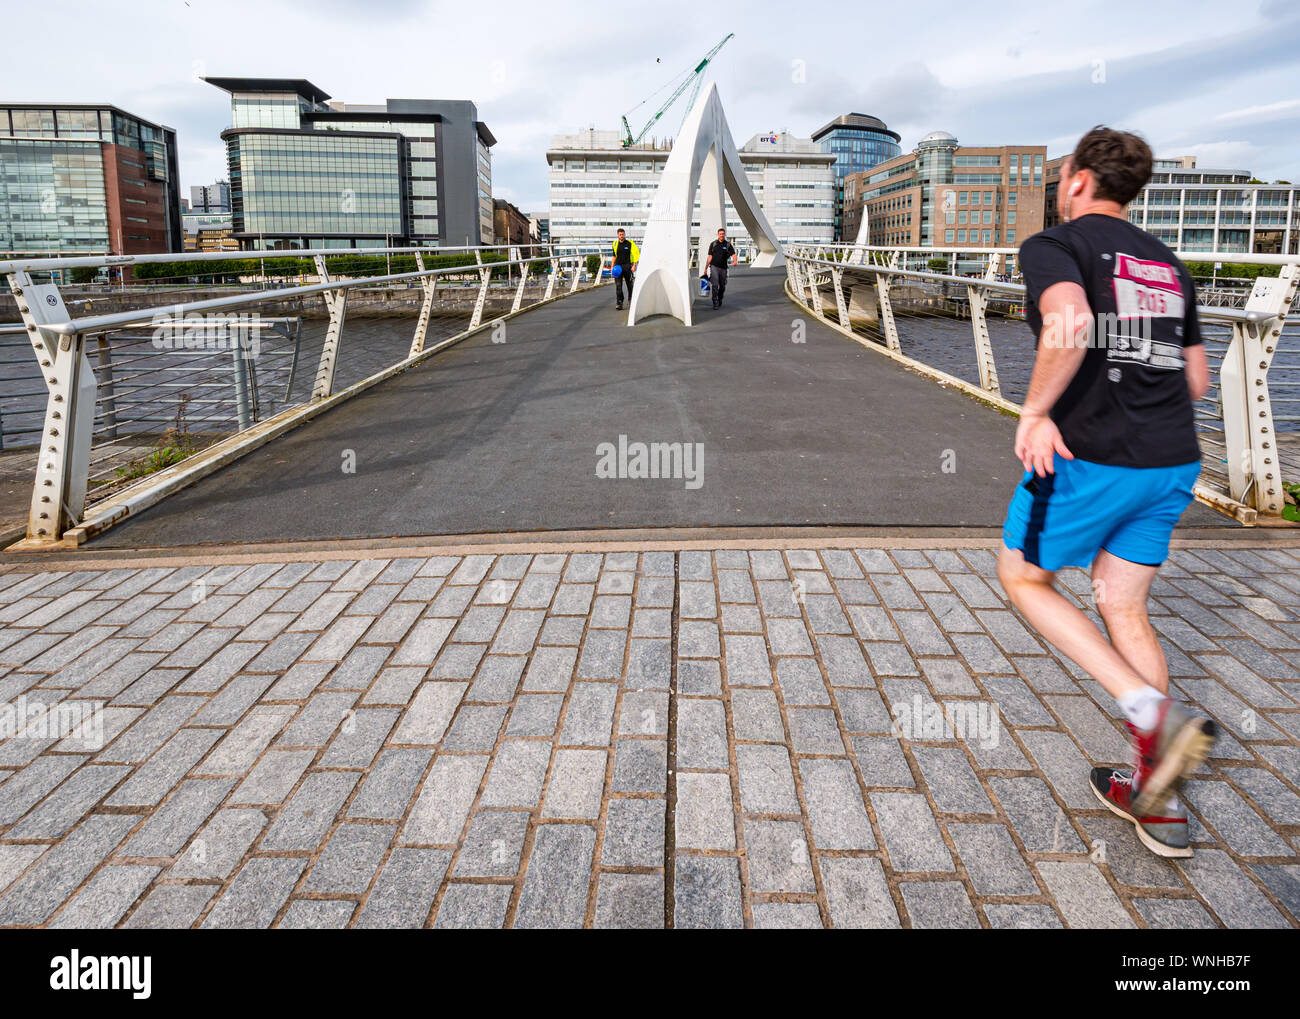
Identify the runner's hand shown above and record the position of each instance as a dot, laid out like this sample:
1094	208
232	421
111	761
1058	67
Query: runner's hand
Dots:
1037	439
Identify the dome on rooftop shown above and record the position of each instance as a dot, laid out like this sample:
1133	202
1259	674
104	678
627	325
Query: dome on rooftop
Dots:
937	137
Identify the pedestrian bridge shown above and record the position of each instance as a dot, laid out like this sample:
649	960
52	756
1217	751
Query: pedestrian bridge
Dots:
851	389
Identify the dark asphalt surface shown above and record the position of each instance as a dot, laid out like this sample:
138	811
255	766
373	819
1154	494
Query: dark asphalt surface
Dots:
493	437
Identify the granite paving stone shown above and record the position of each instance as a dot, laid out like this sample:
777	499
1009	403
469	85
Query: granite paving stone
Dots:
625	738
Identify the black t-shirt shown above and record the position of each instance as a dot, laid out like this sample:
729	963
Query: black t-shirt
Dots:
624	256
1128	404
721	254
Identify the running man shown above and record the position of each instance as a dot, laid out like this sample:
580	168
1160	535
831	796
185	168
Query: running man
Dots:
626	256
720	252
1110	454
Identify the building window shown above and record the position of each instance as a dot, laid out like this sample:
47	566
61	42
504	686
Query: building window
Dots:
1011	236
947	236
961	197
1011	198
961	236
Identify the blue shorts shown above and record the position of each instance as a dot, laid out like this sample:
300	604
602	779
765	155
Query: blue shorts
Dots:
1066	518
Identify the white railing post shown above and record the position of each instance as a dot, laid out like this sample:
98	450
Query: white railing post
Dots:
801	288
814	291
837	278
883	284
555	273
480	302
336	302
1254	467
429	285
577	272
63	460
518	302
979	300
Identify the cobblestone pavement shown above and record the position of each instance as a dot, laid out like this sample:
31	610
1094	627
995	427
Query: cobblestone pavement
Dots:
694	738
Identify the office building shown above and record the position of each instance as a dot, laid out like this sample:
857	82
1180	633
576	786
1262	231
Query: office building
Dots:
511	226
210	197
540	226
209	231
310	172
597	186
86	178
1194	209
951	196
858	142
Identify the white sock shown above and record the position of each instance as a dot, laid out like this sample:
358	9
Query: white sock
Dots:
1141	707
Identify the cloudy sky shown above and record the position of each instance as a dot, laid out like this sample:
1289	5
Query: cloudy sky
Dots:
1221	81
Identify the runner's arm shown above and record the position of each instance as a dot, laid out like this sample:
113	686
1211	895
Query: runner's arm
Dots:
1197	370
1195	366
1062	344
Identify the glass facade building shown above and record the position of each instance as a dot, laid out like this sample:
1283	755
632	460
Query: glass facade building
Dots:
290	183
52	196
858	142
308	172
80	179
1208	210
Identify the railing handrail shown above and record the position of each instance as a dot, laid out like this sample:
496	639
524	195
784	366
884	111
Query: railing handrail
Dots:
87	261
97	323
1205	311
938	250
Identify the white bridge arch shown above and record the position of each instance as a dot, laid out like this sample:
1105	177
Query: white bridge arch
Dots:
704	156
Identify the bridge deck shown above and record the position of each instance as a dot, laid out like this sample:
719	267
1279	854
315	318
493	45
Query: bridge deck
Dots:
493	437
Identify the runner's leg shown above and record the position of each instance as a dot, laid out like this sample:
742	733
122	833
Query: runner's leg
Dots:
1121	588
1031	590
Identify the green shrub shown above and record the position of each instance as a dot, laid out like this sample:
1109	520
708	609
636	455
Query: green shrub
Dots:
1230	270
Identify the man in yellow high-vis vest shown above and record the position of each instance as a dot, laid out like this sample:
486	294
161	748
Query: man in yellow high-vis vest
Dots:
626	256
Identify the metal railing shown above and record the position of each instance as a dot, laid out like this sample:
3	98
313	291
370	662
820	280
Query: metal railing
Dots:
1249	422
116	410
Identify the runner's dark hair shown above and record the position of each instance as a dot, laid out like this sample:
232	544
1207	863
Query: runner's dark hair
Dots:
1120	162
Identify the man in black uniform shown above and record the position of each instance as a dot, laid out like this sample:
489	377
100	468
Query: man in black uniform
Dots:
721	252
626	257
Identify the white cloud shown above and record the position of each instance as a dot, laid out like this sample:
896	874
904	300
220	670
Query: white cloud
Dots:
1190	74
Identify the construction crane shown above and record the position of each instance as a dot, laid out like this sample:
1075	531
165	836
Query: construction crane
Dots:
694	77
